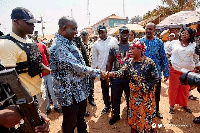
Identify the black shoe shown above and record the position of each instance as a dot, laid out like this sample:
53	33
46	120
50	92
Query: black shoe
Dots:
192	97
48	111
114	119
106	109
91	102
159	115
87	114
187	110
197	120
59	110
171	111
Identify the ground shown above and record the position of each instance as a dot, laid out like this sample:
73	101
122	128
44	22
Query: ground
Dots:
180	122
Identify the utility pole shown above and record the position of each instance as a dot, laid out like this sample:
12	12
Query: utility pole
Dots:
88	12
123	10
89	19
42	27
71	13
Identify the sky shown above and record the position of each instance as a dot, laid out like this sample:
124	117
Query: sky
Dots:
52	10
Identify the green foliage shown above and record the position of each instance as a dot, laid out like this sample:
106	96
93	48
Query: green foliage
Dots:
173	6
135	19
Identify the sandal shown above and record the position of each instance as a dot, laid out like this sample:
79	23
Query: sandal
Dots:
187	110
171	111
192	97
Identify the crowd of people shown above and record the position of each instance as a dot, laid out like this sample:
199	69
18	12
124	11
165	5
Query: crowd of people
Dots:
69	64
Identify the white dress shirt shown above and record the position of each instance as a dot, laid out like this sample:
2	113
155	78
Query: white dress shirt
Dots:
101	51
167	47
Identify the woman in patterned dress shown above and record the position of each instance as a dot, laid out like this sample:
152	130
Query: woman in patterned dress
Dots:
143	79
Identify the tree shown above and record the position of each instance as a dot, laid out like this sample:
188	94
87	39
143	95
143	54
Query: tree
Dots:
160	10
182	4
135	19
172	6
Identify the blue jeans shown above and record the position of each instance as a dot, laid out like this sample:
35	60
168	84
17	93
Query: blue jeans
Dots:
48	82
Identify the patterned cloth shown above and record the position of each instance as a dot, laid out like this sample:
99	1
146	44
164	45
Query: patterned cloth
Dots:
71	75
88	48
120	54
155	51
143	79
79	44
85	49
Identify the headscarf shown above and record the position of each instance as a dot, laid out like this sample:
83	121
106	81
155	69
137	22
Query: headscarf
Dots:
140	45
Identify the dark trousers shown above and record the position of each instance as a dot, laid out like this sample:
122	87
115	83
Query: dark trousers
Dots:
91	96
73	116
157	95
105	92
117	88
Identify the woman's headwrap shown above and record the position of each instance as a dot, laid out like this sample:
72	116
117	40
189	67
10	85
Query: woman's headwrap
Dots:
139	44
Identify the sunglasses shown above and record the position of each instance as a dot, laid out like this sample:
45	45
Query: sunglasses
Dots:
30	24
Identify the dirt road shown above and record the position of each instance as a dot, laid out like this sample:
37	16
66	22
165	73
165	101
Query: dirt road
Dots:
180	122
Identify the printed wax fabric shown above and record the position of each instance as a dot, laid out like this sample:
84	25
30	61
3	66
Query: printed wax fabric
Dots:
71	75
155	51
120	54
143	79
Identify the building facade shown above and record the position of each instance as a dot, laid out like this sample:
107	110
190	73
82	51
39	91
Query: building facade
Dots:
110	22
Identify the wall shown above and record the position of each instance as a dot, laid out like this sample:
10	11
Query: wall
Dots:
116	22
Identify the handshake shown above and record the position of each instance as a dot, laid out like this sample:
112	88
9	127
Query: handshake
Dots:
106	75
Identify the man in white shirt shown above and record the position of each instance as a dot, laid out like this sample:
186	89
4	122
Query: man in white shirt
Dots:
99	60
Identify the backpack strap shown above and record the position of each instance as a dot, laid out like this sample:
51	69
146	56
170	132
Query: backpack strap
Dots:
33	65
5	36
22	67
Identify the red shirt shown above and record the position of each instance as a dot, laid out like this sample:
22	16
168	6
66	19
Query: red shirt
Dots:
45	56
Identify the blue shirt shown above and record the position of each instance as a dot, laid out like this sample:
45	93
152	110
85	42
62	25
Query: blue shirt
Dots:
155	51
71	75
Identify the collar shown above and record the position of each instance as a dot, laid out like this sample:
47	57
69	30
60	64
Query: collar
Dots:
27	40
127	44
151	39
108	37
63	39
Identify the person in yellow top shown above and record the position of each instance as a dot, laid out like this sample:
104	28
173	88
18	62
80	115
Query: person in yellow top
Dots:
15	52
11	54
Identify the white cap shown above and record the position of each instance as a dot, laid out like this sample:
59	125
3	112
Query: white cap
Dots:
172	34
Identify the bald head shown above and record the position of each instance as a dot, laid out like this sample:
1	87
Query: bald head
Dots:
63	21
150	30
67	27
151	24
